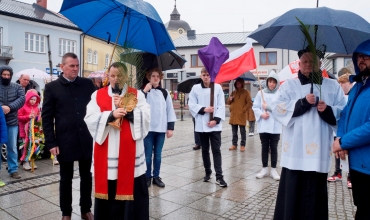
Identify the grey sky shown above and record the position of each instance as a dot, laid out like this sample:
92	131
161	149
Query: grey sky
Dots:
217	16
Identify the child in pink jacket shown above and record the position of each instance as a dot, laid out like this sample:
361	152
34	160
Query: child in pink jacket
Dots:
28	111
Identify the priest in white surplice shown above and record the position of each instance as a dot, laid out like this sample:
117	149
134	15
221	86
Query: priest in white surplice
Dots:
306	141
119	160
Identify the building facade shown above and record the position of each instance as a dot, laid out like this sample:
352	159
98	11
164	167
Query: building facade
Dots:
96	55
27	30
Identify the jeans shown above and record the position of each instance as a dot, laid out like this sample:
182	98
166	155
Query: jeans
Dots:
65	186
153	142
235	135
215	138
11	148
269	142
251	126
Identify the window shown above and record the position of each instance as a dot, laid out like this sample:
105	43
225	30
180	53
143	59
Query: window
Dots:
183	56
34	43
347	61
195	61
335	66
66	46
95	57
89	56
1	37
106	60
268	58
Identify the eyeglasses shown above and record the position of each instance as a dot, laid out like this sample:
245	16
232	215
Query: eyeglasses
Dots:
362	56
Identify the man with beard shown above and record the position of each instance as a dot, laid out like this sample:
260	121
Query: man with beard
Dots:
11	99
308	127
353	136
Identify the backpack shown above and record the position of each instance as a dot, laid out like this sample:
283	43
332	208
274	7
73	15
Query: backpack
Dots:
165	93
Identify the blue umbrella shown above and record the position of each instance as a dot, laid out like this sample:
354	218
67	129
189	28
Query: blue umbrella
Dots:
135	22
341	31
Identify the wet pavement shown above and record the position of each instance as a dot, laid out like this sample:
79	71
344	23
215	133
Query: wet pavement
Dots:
186	196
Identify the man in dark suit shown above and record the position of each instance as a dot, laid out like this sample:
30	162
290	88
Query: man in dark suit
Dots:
66	134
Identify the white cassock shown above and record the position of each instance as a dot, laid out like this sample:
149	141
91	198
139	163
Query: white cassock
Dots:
199	97
307	139
96	122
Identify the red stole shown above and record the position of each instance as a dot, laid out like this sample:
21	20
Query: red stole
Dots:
126	159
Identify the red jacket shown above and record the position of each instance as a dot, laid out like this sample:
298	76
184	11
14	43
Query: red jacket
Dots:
25	111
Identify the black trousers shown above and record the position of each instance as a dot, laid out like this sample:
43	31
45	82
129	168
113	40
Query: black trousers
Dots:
235	135
65	186
302	195
338	170
196	135
361	193
269	143
215	139
112	209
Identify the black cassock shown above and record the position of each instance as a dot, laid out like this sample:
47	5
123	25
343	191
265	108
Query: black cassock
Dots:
302	195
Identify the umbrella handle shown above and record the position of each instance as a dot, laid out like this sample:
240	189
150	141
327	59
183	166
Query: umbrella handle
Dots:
317	98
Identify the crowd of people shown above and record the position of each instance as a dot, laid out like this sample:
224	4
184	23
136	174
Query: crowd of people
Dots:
117	133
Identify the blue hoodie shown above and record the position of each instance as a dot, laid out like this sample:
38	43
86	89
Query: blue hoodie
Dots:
354	123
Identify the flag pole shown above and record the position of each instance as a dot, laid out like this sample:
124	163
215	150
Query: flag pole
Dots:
259	82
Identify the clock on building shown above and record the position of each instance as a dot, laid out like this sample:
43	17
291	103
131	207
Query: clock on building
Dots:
181	30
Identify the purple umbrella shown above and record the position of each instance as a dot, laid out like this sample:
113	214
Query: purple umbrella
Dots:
213	56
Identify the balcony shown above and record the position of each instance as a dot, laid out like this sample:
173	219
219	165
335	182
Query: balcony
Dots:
6	53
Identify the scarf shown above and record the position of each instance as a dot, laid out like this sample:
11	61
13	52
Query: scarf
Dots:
126	159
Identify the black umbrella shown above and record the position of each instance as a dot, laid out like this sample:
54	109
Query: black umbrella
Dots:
186	85
167	61
248	76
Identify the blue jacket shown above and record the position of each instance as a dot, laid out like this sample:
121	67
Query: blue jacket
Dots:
354	123
3	129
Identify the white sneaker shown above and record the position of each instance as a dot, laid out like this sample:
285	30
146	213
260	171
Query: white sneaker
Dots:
262	173
251	134
26	166
274	175
55	161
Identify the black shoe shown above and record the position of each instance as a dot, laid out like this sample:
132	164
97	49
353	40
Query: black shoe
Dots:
197	147
221	182
148	181
158	181
207	178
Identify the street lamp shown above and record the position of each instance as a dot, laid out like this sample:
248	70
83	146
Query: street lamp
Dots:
182	100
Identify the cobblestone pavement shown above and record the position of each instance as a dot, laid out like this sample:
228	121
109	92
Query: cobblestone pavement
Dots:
186	196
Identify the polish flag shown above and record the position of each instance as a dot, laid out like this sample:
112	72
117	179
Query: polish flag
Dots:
239	62
291	72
